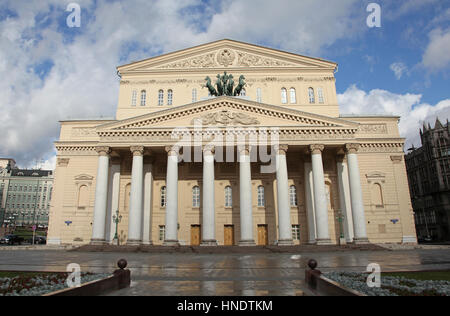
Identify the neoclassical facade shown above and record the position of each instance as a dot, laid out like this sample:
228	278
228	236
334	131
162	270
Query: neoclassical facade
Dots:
276	165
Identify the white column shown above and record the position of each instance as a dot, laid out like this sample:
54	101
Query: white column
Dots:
283	201
136	197
209	222
246	205
359	219
320	198
148	195
310	211
171	238
345	200
113	200
101	197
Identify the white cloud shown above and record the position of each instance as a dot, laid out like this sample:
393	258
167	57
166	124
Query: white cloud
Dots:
436	57
413	113
83	81
399	69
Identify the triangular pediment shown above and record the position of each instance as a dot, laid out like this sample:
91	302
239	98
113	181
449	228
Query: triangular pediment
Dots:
226	54
225	112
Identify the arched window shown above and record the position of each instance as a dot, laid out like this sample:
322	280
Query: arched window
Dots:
293	195
259	95
194	95
261	197
161	97
284	96
312	98
83	196
377	195
170	97
196	196
228	196
293	95
163	197
320	95
134	98
243	93
143	98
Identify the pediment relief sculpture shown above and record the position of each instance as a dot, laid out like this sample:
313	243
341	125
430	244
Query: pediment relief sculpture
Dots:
227	58
226	117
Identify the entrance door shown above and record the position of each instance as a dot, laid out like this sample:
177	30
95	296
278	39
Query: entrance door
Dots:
229	235
195	235
263	236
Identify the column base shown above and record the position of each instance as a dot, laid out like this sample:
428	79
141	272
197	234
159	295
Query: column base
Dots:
286	242
171	243
342	241
361	241
312	242
98	242
247	243
209	243
148	243
131	242
409	240
323	242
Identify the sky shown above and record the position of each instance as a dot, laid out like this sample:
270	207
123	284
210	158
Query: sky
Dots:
53	72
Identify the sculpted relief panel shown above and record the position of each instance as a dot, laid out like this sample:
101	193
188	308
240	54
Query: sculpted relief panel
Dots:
226	117
373	129
227	58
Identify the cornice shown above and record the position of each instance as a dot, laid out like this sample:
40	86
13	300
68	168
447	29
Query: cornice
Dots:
230	102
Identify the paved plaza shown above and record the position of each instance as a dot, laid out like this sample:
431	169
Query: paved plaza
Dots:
222	274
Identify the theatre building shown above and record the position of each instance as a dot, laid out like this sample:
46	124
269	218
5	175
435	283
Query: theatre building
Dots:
230	143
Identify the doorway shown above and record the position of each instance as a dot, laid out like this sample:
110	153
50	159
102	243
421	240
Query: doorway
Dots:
229	235
263	235
196	237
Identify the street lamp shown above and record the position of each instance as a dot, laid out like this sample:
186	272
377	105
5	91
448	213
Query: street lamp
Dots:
340	219
117	219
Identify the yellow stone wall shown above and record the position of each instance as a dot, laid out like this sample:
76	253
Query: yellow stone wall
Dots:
379	154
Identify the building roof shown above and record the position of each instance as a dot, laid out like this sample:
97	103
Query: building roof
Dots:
30	173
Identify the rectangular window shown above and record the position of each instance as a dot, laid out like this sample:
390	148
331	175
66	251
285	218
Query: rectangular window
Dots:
259	95
296	232
134	98
162	233
320	95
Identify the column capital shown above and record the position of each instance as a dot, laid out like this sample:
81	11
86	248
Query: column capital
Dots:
173	150
352	148
137	150
103	150
316	149
209	149
281	149
244	149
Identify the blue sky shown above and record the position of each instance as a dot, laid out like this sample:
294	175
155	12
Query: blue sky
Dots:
55	72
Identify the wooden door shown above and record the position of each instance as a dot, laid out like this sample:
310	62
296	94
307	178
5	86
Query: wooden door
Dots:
263	236
229	235
195	235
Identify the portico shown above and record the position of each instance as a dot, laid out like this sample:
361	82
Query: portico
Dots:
317	209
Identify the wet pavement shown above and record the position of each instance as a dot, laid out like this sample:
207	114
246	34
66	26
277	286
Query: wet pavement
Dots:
222	275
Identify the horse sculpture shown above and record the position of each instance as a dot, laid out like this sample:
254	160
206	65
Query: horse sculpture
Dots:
225	85
212	90
240	86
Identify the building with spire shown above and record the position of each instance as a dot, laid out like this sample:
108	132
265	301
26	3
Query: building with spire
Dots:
428	170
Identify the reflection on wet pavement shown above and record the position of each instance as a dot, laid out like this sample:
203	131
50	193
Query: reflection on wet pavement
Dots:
222	275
